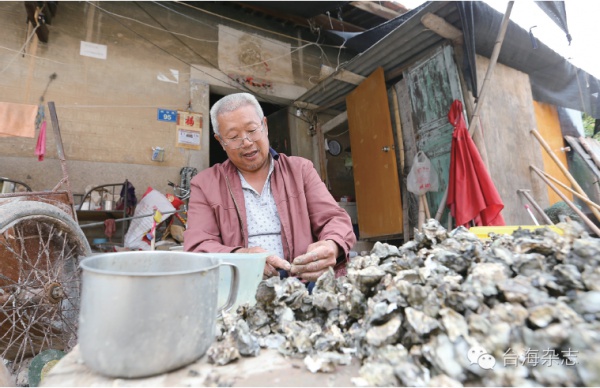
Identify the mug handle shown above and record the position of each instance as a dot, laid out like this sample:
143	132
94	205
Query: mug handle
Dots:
233	289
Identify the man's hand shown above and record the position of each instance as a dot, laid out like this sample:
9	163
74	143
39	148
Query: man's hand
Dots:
318	258
273	262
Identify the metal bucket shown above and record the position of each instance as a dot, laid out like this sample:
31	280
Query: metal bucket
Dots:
148	312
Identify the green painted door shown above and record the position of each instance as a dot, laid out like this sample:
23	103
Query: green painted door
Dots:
433	85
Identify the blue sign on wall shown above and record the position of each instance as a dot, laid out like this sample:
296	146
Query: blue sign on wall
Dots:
167	115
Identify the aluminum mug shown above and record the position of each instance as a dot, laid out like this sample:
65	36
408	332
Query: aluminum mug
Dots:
144	313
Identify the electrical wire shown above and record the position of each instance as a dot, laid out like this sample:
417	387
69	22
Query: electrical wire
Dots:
242	23
323	54
22	48
339	134
244	87
153	27
308	43
241	87
118	106
35	56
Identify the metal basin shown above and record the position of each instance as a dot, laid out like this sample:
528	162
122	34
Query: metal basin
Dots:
148	312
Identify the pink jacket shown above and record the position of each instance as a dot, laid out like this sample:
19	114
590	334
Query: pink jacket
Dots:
308	212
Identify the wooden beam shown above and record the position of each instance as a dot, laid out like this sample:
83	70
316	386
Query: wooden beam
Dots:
376	9
442	28
343	75
306	105
335	122
331	103
332	23
395	6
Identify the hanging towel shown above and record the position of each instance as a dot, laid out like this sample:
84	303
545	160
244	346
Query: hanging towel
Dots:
17	119
40	148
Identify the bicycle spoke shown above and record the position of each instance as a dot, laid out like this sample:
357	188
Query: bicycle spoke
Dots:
40	297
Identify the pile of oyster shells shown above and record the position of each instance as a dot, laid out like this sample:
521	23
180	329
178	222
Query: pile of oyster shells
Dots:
444	309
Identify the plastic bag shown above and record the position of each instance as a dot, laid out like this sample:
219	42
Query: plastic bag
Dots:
422	177
139	227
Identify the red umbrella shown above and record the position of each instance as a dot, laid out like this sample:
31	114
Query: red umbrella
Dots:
471	192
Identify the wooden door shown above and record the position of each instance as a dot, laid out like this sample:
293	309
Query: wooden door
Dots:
377	188
433	85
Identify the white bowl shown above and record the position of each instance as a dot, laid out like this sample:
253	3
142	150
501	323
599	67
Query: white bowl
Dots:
251	267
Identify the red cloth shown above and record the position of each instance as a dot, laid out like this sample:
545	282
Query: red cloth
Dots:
40	148
110	227
471	191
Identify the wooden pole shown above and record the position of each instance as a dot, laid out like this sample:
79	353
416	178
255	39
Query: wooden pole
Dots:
583	217
426	206
470	108
564	170
482	93
61	156
400	137
584	199
421	219
493	60
535	205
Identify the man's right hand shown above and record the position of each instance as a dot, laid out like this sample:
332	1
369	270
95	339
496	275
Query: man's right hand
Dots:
273	262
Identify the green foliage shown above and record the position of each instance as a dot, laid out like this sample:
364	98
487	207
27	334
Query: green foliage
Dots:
588	126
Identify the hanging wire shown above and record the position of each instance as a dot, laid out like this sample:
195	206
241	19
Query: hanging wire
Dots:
330	22
34	56
118	106
237	21
22	48
308	43
338	56
151	26
339	134
238	85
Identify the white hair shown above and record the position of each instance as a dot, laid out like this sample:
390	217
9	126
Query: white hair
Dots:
230	103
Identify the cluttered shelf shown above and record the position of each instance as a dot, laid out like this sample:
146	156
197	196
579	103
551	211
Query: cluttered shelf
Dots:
113	220
98	215
102	207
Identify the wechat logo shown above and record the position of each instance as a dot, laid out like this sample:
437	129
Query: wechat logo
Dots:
478	355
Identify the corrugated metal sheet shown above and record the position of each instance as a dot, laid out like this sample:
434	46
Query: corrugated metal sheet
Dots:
553	79
409	40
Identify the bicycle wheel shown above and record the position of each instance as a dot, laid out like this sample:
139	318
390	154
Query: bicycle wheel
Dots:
40	246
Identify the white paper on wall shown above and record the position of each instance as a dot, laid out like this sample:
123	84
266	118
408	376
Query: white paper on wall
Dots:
173	77
93	50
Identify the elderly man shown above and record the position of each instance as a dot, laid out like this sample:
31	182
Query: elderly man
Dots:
262	201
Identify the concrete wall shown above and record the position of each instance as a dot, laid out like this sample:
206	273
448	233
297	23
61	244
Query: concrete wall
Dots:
107	108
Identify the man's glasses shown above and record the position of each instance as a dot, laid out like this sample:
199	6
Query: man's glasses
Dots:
252	136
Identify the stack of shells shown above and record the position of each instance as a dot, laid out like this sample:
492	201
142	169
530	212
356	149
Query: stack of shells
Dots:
444	309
